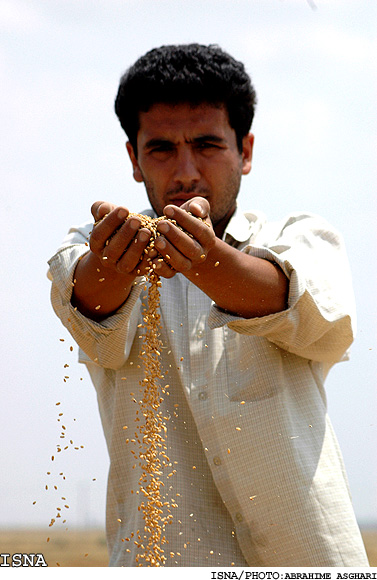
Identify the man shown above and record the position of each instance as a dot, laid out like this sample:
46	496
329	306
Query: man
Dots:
254	314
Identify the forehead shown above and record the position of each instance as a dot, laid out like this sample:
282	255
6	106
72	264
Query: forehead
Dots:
183	119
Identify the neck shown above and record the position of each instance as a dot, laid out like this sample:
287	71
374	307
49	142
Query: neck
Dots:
219	227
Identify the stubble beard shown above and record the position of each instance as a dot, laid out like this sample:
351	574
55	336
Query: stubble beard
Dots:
222	209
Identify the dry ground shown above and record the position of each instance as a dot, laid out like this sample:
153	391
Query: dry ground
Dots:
88	547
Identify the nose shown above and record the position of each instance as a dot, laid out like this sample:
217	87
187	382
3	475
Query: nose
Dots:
186	168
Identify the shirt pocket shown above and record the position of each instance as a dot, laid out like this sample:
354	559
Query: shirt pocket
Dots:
254	366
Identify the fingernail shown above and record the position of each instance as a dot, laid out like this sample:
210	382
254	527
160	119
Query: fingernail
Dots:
134	224
160	243
197	206
143	236
164	227
169	211
122	213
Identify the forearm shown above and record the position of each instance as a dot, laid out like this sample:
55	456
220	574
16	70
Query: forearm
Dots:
240	283
97	291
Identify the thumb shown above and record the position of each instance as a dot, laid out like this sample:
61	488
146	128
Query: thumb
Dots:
198	206
101	208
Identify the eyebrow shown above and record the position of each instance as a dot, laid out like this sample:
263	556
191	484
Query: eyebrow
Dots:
158	141
204	138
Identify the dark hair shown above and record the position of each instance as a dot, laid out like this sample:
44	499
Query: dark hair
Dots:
188	73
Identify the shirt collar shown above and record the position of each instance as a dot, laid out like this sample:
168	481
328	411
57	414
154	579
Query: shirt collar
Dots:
239	227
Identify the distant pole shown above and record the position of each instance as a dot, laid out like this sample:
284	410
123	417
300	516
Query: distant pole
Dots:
312	4
83	505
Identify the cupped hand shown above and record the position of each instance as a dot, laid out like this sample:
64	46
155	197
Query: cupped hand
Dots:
186	244
118	240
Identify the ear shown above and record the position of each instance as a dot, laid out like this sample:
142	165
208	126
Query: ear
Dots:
136	169
247	153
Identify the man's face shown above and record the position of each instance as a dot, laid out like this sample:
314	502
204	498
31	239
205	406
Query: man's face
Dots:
186	151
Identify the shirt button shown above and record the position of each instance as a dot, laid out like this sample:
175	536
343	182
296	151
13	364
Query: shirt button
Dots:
217	460
199	334
202	396
239	517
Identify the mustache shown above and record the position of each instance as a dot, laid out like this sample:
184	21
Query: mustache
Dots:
188	189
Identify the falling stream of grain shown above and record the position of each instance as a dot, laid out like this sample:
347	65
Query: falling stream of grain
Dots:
151	424
151	436
151	427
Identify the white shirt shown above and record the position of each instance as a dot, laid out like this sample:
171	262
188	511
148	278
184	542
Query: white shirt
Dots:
259	479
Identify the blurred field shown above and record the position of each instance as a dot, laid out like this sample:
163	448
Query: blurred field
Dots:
370	541
79	548
64	548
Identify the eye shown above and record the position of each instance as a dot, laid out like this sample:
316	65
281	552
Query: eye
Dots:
162	148
161	151
159	147
208	147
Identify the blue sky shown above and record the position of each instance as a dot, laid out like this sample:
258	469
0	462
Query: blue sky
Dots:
314	68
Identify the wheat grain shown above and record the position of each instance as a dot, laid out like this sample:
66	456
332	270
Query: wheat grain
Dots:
150	433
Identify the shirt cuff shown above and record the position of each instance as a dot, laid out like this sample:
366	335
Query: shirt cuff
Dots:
219	317
107	342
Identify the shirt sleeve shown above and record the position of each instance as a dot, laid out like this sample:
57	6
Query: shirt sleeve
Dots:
319	321
108	342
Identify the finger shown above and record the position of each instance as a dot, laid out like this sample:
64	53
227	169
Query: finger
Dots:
171	253
106	229
186	245
135	258
152	253
201	230
101	208
198	206
163	269
123	239
142	267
